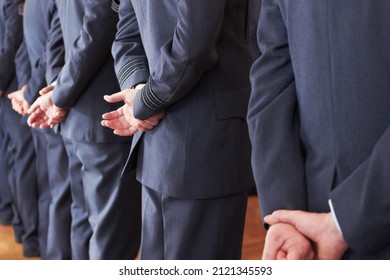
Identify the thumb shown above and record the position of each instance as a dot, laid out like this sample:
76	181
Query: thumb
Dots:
305	222
284	216
46	90
35	106
113	98
11	95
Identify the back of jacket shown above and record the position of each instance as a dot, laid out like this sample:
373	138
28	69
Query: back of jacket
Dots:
44	44
10	37
322	85
195	57
88	28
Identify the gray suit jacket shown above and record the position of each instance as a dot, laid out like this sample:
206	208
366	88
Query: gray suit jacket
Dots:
319	115
44	45
11	35
88	28
195	58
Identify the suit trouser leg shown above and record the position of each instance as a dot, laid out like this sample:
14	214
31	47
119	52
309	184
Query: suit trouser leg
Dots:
24	185
113	202
11	174
58	240
6	212
175	228
16	221
43	188
81	230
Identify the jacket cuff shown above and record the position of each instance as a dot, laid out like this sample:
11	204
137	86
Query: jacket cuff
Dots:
146	104
133	73
57	100
115	5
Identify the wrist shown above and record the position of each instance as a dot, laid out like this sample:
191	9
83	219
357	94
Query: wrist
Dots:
339	243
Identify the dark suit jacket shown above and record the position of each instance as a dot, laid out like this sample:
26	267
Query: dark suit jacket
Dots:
23	67
88	29
319	115
195	58
44	45
10	38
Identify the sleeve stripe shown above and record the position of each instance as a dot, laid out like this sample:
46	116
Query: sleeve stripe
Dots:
151	100
129	68
115	5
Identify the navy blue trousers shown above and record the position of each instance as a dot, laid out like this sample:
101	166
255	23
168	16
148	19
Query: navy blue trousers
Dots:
106	208
43	189
58	240
6	212
192	229
23	180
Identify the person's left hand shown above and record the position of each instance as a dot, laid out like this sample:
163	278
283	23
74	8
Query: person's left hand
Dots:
43	113
122	120
285	242
320	228
19	104
117	121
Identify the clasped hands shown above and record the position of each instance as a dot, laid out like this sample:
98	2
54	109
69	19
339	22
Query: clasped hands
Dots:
43	113
19	104
295	235
122	120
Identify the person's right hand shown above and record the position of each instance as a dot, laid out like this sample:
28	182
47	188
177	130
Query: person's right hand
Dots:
43	113
320	228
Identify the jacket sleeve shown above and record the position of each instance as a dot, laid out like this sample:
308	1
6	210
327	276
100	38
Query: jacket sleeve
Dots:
273	120
11	41
50	61
55	51
88	52
22	63
361	202
131	65
36	78
184	58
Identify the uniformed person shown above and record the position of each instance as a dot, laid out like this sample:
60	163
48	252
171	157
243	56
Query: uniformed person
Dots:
194	163
106	207
6	211
23	178
44	45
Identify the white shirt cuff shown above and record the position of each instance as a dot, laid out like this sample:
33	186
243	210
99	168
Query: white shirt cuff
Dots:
334	216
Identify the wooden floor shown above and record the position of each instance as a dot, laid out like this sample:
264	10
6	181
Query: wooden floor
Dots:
252	247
